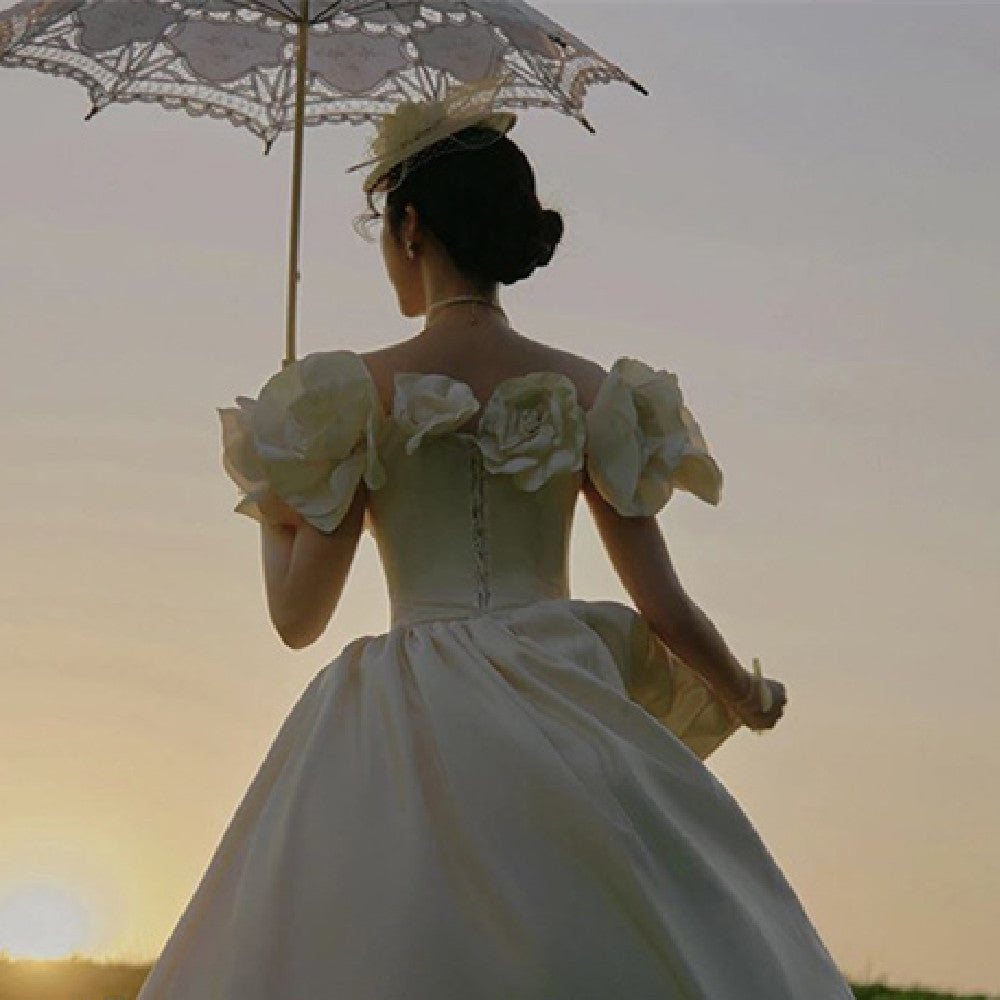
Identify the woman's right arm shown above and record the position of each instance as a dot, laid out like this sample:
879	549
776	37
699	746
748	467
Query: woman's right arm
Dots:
638	552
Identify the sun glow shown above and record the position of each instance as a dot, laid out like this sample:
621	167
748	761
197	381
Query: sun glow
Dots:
41	921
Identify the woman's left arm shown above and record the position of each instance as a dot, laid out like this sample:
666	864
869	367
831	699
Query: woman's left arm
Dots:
305	569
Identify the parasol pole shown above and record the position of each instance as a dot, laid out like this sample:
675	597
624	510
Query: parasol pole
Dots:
300	104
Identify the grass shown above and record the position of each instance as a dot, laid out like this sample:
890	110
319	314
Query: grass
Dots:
880	990
85	979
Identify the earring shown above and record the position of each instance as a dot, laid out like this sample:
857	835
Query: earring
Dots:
410	247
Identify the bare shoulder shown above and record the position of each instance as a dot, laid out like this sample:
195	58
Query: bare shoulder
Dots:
399	356
508	355
585	374
382	364
379	359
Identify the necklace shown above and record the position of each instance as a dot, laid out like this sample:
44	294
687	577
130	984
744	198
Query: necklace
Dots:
442	303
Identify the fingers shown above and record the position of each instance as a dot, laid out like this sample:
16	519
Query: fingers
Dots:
779	700
770	707
776	697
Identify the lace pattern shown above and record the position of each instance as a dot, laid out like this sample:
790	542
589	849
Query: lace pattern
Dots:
478	512
236	61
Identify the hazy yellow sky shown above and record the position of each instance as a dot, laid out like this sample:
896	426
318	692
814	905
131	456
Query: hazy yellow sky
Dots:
801	220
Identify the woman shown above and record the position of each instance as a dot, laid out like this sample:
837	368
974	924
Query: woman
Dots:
503	796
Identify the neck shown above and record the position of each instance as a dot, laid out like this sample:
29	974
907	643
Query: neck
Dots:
442	281
452	328
467	307
439	284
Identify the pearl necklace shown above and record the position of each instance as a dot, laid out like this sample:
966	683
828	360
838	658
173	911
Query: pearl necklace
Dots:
434	307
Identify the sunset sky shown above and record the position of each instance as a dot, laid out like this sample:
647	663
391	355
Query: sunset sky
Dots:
801	219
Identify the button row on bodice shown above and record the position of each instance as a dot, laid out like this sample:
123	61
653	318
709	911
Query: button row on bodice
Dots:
454	537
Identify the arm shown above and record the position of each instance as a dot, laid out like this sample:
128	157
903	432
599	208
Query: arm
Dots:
305	569
638	552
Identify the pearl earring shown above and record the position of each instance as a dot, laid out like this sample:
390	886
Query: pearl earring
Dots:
409	250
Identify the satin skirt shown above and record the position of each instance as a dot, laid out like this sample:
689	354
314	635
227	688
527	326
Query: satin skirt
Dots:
509	805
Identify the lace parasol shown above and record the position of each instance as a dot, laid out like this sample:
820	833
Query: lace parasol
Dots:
272	66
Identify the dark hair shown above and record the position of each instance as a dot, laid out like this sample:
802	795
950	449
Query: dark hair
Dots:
480	202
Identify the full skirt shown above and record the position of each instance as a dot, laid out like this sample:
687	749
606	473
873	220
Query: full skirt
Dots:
502	806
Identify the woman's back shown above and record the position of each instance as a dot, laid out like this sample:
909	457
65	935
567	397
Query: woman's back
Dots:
454	538
481	356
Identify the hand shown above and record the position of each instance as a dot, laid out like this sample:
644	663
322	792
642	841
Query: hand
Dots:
277	512
763	704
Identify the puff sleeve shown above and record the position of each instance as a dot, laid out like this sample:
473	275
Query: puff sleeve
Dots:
643	442
311	435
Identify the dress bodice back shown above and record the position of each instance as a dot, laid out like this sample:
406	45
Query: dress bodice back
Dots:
455	539
465	521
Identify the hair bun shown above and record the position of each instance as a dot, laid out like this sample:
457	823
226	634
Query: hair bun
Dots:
550	231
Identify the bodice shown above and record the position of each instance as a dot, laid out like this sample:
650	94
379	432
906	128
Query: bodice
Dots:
455	539
466	521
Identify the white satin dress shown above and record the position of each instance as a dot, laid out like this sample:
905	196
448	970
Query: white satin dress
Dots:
502	797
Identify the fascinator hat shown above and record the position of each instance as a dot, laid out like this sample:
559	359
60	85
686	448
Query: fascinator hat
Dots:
404	136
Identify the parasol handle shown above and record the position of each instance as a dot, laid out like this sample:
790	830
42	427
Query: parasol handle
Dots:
293	256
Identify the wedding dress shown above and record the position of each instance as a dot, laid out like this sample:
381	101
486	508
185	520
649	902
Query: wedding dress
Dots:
502	797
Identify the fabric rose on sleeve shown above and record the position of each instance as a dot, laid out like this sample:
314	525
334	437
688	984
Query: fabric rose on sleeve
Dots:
533	428
642	442
313	432
427	405
239	457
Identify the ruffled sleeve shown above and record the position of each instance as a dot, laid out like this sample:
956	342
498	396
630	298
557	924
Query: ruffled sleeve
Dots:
311	435
643	442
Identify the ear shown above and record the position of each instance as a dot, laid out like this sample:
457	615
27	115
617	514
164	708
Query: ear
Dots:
411	225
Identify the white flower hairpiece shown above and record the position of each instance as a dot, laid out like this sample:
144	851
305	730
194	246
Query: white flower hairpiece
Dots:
415	125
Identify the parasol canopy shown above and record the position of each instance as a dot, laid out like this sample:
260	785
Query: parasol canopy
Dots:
271	66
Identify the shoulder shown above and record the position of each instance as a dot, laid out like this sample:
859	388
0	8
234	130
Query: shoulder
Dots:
525	355
585	374
382	364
